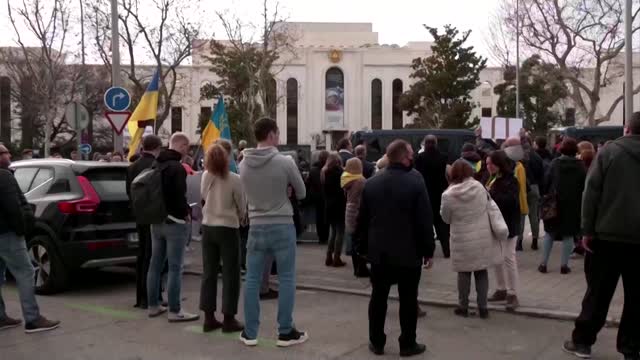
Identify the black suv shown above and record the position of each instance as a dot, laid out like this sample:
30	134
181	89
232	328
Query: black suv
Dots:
83	218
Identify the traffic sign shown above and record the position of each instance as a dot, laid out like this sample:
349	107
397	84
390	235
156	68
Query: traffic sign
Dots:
118	120
85	149
77	115
117	99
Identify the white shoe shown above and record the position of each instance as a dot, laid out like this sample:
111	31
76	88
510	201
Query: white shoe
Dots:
246	341
157	311
182	316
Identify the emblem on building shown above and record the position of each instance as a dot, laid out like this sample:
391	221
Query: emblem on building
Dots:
335	56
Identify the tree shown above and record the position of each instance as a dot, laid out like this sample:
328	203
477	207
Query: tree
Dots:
541	87
441	94
247	70
167	42
581	37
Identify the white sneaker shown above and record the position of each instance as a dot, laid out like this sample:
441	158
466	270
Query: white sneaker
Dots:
157	311
247	341
182	316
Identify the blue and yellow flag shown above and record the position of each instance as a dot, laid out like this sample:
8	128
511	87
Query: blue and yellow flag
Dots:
217	128
146	110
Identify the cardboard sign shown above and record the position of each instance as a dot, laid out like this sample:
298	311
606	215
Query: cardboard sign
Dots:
498	128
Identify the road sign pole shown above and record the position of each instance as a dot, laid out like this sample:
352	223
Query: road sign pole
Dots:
115	65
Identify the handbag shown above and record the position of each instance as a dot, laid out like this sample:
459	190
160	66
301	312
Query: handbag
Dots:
499	229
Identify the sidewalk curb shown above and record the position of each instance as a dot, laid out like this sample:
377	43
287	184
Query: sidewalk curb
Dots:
522	311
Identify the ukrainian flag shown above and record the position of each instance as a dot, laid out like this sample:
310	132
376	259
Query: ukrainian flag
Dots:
147	110
217	128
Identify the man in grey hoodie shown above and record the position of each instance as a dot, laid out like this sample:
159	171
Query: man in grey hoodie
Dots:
266	174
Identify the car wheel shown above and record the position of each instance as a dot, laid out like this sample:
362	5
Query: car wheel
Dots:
50	276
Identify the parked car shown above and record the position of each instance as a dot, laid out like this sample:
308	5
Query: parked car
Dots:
449	141
83	218
593	134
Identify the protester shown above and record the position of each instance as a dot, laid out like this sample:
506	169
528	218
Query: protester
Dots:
16	219
432	165
316	192
610	225
586	153
565	182
352	181
75	156
368	168
514	150
169	238
242	144
335	205
471	156
187	164
464	207
396	234
266	176
151	146
504	189
540	147
534	168
224	206
96	156
345	150
27	154
382	163
116	157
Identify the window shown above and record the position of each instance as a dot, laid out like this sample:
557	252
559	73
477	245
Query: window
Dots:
396	111
334	98
376	104
570	117
43	176
292	111
109	183
176	119
486	112
205	115
24	177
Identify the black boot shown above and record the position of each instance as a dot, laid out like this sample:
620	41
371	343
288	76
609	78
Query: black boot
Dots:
231	325
210	322
534	244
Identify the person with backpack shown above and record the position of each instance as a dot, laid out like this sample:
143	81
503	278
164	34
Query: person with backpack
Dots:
151	146
266	176
160	199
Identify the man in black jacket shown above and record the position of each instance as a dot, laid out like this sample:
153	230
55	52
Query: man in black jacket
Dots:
396	230
433	165
168	239
610	226
16	218
345	150
368	168
534	167
151	146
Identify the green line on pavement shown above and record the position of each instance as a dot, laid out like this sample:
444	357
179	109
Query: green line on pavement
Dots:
268	343
121	314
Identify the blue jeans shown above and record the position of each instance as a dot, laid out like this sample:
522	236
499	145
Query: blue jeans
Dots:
567	248
14	256
167	242
278	241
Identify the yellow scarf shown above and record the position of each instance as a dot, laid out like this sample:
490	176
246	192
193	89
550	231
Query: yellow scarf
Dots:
349	177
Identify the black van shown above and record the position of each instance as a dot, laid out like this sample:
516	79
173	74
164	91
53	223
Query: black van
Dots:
593	134
449	141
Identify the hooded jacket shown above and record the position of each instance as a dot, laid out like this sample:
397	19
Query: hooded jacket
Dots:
174	184
464	207
16	214
266	174
353	184
611	200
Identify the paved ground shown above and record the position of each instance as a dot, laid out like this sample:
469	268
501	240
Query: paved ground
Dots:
548	295
99	323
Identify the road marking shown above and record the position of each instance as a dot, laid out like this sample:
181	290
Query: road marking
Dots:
266	343
102	310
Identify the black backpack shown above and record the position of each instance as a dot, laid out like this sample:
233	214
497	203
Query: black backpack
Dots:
147	196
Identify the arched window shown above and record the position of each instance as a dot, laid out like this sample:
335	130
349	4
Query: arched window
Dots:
292	111
376	104
396	111
334	98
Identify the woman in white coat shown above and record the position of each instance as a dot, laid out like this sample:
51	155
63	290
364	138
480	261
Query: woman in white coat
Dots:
464	207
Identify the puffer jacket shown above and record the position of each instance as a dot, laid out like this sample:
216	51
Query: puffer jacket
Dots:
353	186
464	207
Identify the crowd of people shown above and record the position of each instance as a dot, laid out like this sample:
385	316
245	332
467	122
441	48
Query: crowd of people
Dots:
386	216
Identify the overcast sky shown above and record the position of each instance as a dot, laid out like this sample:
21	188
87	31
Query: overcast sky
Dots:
396	21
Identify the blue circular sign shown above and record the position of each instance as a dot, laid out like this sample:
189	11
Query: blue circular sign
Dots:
85	149
117	99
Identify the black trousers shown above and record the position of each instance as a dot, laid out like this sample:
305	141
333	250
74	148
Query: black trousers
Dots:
220	243
442	231
408	279
322	226
142	264
608	263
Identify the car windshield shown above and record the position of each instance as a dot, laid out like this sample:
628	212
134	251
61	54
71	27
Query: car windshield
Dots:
109	183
